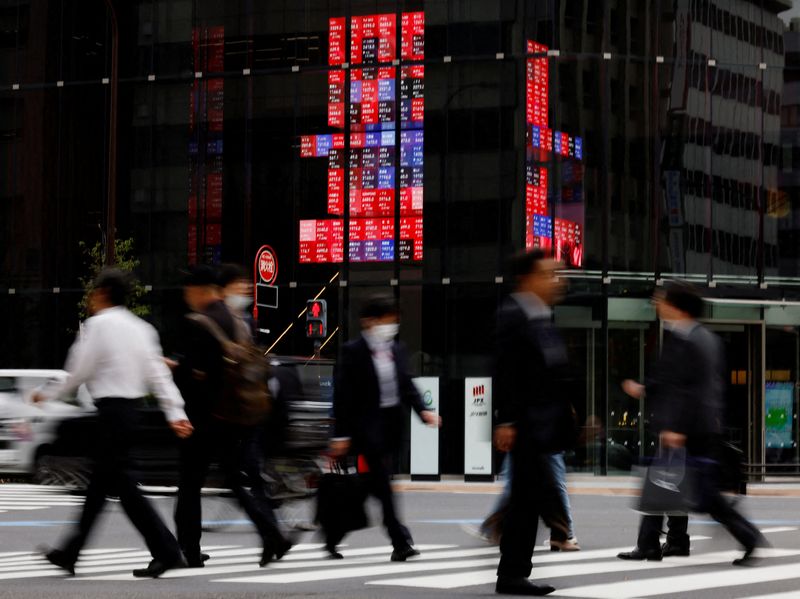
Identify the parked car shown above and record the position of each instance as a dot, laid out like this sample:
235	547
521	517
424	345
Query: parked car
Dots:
28	431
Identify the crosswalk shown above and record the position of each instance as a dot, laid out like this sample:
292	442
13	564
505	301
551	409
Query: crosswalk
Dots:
22	497
589	574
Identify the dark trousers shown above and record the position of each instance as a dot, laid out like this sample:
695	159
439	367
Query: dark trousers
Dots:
650	531
379	486
530	497
117	418
712	502
378	443
225	442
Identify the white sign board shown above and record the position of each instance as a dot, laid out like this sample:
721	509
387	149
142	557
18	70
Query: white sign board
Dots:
478	425
425	439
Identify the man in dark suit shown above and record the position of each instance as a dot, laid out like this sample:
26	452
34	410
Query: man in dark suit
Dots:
533	415
686	389
199	373
371	384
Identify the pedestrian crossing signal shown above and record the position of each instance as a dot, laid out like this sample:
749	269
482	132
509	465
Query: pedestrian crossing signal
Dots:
316	319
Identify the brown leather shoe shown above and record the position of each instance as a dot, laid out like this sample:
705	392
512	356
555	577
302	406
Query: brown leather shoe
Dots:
568	545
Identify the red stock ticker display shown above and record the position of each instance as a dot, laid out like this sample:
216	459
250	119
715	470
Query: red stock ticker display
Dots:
380	155
562	233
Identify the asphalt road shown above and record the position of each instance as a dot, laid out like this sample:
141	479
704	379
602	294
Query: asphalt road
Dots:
452	563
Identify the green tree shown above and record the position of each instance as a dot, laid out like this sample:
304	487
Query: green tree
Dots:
94	258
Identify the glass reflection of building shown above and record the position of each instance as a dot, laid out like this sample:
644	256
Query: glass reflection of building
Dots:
685	113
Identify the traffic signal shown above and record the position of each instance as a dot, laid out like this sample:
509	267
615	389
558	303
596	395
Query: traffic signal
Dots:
316	319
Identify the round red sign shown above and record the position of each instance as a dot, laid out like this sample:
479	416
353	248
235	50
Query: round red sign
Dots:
267	265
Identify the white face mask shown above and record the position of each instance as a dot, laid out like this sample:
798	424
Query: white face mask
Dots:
384	333
238	302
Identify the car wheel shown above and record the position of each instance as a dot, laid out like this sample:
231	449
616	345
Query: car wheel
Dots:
69	472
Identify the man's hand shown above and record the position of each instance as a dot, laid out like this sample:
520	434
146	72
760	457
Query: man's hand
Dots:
339	447
504	437
632	388
38	397
182	428
431	418
672	439
171	364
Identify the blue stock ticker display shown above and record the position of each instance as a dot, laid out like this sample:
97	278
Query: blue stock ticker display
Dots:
551	224
367	161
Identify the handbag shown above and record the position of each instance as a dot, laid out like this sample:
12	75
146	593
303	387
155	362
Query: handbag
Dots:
341	499
669	484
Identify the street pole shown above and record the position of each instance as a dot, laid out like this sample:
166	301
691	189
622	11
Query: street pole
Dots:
111	197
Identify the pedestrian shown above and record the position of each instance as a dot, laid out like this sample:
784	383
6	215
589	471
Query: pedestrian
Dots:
118	356
558	519
534	418
199	373
237	292
371	383
686	391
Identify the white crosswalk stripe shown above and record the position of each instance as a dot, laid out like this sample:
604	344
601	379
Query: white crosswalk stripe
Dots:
25	498
590	574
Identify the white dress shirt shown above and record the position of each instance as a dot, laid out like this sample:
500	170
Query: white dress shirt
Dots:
119	355
385	368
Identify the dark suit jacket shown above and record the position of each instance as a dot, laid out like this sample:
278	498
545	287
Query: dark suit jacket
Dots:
356	398
529	374
686	385
200	372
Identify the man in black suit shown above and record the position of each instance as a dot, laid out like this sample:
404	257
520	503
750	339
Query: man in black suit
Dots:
199	373
533	415
371	383
686	389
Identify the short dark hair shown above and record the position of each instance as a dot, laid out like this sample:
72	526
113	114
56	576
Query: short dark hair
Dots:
228	273
115	283
378	306
685	297
523	264
200	275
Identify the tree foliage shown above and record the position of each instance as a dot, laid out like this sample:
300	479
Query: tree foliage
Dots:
94	258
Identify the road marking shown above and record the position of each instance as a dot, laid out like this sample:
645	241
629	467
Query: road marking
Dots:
290	562
361	572
730	577
767	531
451	581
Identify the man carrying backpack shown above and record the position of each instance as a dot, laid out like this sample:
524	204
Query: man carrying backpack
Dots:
223	407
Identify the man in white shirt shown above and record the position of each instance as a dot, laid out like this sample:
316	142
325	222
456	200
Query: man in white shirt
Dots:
118	356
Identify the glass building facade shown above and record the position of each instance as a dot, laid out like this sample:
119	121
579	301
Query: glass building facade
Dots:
410	147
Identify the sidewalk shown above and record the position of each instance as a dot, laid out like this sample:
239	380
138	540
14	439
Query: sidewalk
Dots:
584	484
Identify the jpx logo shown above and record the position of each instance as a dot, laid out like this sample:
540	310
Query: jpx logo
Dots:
478	395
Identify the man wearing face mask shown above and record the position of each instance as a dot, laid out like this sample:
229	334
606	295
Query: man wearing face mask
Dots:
237	293
371	383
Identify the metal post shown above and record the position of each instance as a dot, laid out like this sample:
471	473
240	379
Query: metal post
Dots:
111	197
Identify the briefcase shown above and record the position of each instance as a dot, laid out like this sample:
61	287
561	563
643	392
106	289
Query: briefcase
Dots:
341	499
670	484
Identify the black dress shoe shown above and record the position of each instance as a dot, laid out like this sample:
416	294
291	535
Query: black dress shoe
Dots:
668	550
266	556
59	558
332	553
507	585
637	555
283	548
403	553
751	557
157	567
198	560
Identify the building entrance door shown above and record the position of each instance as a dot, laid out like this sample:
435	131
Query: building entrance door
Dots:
744	377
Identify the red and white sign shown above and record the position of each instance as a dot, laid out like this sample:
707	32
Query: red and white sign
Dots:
266	265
